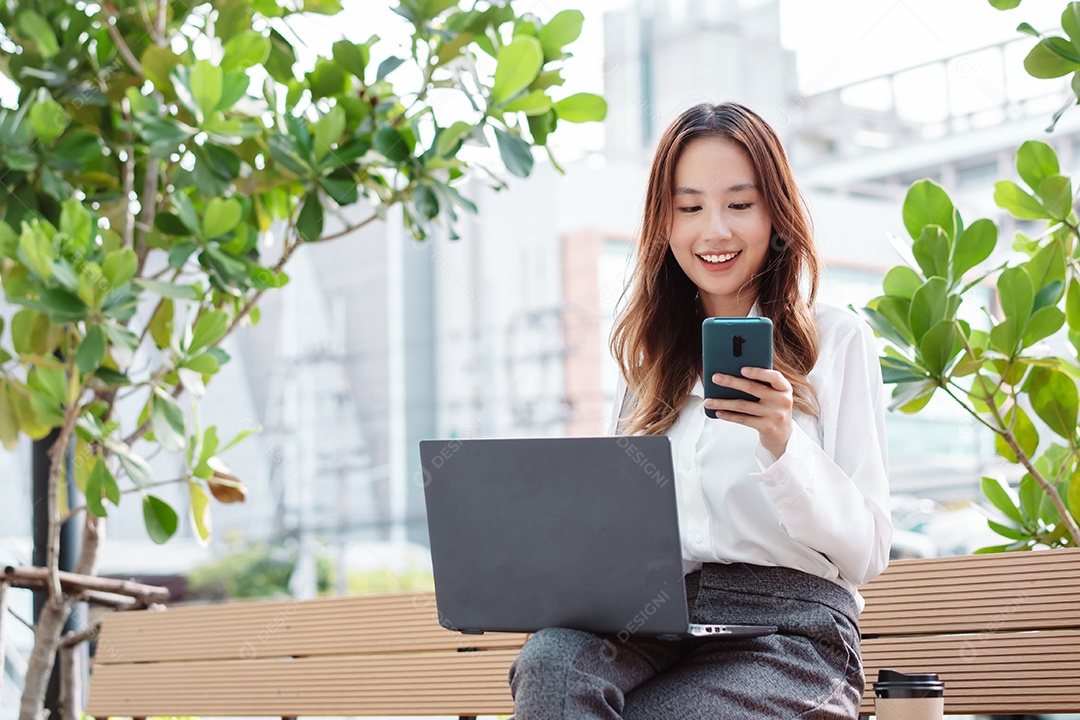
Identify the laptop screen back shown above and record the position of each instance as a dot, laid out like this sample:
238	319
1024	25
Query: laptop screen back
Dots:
555	532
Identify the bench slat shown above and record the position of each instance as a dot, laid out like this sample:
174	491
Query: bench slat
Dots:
1016	591
443	683
376	624
1001	672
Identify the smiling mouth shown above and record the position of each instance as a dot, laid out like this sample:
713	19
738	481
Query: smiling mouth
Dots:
720	259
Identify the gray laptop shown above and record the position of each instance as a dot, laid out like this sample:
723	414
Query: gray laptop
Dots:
528	533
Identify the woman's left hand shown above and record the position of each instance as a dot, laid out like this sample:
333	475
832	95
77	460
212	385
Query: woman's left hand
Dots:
770	416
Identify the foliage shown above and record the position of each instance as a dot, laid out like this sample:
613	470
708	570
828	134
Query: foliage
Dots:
259	572
1007	376
1018	377
158	151
387	580
1054	56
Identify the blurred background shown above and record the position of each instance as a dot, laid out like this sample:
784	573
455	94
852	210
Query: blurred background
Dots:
379	341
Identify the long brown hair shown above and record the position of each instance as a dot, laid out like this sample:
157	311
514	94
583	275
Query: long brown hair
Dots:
657	337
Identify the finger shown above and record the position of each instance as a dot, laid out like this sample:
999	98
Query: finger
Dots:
747	408
773	377
750	387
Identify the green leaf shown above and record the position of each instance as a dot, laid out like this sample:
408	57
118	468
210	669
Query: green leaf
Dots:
207	84
91	350
975	244
205	364
449	138
352	57
581	107
167	419
157	64
897	310
161	520
540	126
1070	22
1054	399
161	324
63	306
328	130
1055	192
169	290
1010	196
9	418
136	468
200	512
38	31
1072	305
927	203
518	65
1016	294
244	50
902	281
1005	4
1000	499
1042	324
327	79
119	266
387	66
49	120
95	488
1052	57
931	251
185	210
1005	335
884	327
535	103
563	29
1031	496
1006	531
310	221
1035	161
929	306
35	252
75	222
899	370
210	328
912	397
516	153
286	150
391	144
1024	432
221	216
936	346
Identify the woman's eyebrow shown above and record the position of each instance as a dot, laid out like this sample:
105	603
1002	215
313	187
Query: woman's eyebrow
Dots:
734	188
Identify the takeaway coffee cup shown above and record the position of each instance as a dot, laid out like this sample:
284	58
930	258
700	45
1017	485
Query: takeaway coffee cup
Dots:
908	697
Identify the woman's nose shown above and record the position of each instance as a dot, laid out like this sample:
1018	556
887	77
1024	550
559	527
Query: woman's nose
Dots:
719	226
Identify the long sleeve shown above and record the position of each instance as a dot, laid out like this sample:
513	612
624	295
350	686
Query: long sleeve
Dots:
833	496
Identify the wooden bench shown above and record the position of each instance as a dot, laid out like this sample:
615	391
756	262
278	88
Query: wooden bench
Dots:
1003	631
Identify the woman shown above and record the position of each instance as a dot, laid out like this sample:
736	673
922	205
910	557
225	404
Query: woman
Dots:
783	502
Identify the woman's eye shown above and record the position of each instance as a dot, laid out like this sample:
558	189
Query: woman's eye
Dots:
692	208
740	206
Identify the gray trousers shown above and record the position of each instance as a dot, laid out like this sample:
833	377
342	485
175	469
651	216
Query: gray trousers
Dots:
810	669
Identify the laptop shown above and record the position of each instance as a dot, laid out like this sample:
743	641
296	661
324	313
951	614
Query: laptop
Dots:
528	533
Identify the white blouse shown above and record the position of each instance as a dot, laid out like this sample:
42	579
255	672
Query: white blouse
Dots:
823	506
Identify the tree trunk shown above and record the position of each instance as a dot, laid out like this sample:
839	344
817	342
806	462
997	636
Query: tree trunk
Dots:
38	671
50	626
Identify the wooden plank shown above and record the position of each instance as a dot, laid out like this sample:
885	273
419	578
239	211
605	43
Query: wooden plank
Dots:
1008	592
996	672
387	623
444	683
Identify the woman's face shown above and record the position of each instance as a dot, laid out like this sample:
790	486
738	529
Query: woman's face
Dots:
720	227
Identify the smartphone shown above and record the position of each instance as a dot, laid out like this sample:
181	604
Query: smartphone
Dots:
727	346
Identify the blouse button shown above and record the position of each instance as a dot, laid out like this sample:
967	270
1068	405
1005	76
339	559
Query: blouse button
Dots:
699	538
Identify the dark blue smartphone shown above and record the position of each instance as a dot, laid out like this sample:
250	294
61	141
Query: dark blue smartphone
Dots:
727	346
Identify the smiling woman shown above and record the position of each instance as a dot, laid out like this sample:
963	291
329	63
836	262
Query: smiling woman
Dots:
783	501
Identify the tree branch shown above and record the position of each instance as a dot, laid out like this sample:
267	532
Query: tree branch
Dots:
121	44
1055	497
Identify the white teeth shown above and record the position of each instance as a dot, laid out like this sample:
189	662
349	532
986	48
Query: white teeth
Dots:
718	258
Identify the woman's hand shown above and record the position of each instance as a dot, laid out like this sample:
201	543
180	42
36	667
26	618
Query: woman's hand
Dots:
770	416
